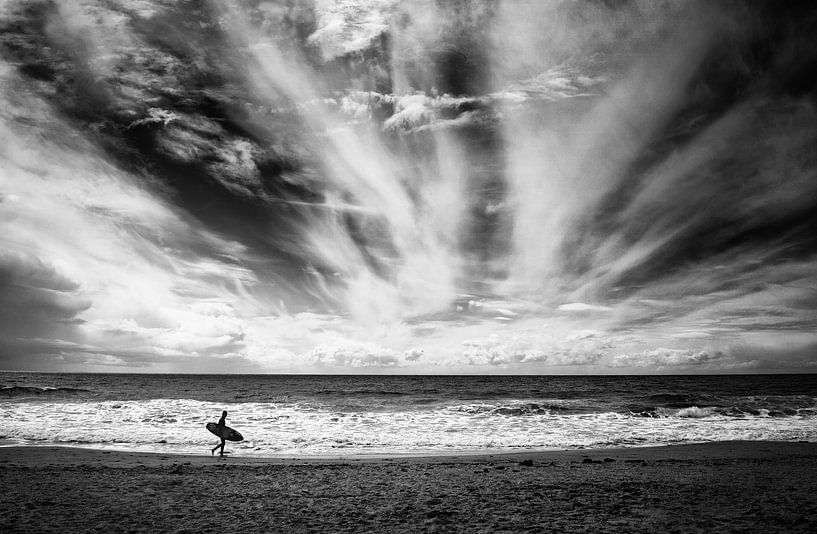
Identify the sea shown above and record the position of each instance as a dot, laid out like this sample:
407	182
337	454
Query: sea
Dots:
338	416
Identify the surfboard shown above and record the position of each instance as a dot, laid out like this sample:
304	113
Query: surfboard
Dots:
230	434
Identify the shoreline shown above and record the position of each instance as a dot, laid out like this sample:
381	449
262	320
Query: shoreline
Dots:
72	454
730	486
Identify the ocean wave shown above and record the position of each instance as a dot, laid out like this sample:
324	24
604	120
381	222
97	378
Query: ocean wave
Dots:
695	412
671	400
512	409
174	425
39	391
692	412
360	392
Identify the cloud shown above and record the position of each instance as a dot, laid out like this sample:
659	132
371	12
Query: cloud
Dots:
354	356
203	329
582	307
546	347
489	187
36	299
412	355
776	350
663	358
96	264
348	26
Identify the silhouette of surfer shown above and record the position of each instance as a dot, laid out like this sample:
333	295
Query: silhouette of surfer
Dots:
221	426
223	432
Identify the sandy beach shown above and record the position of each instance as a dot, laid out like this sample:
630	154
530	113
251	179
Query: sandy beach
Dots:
713	487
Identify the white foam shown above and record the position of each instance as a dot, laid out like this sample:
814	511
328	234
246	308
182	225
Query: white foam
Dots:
695	412
290	429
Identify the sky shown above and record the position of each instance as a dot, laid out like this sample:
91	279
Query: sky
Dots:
362	186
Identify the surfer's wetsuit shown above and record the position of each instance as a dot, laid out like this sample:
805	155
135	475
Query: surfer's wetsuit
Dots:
221	424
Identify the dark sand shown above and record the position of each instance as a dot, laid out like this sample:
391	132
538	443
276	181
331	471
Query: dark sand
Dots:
714	487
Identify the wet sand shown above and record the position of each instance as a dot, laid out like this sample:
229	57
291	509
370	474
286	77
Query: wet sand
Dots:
714	487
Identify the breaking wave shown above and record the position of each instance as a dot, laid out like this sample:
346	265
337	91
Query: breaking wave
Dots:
270	429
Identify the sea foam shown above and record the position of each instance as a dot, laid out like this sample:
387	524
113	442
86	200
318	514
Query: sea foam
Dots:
272	429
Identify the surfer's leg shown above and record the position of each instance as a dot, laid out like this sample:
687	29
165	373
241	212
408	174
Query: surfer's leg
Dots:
222	447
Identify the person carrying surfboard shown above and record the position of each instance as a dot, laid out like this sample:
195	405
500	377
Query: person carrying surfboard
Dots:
220	426
224	433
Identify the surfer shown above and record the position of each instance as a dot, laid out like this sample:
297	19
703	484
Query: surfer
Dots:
221	426
223	432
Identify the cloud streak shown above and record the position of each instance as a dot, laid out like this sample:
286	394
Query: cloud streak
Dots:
423	187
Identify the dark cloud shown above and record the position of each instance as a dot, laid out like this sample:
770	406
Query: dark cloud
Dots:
36	298
39	310
161	94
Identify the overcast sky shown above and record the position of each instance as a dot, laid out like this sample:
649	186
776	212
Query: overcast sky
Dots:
371	186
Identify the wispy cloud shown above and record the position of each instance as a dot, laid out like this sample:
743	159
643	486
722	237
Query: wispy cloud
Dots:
423	187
